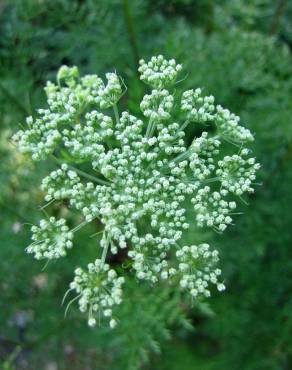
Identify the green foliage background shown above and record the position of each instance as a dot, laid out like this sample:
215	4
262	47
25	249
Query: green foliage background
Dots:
240	51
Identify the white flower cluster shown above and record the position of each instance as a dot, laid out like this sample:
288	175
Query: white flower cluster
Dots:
66	104
86	139
229	128
149	267
137	177
99	289
69	75
202	109
51	239
203	156
158	105
197	267
237	173
198	107
212	209
41	139
59	184
110	94
159	72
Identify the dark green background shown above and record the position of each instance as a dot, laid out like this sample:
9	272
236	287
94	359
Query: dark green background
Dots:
240	51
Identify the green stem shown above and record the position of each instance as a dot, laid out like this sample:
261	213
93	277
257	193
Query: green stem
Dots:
89	177
105	250
277	16
116	112
149	128
214	179
131	33
153	127
78	227
184	125
182	156
69	304
82	173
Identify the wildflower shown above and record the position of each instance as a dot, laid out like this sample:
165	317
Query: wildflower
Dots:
110	94
51	239
198	107
158	105
98	289
237	173
159	72
197	269
138	178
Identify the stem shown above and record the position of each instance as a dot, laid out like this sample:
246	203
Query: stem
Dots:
153	126
277	16
104	252
184	125
116	112
149	128
182	156
46	264
65	295
131	33
89	177
214	179
69	304
82	173
47	204
78	227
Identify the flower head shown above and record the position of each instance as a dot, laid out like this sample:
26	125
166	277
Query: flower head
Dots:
51	239
197	269
159	72
147	179
99	289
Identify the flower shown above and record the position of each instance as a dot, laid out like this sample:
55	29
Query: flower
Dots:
51	239
197	269
159	72
138	178
99	289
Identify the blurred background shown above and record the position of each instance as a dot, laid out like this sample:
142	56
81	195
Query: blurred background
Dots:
239	51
